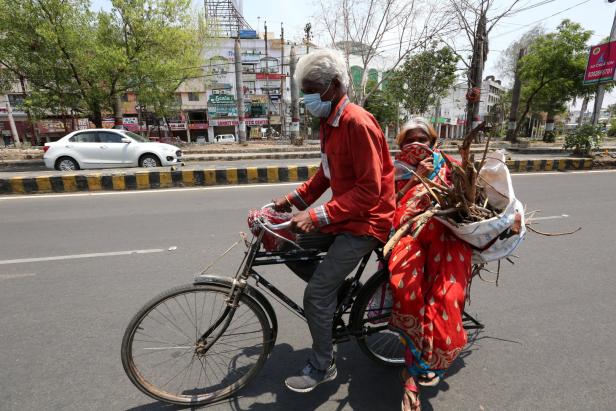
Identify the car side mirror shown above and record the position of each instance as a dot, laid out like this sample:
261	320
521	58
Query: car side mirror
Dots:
126	140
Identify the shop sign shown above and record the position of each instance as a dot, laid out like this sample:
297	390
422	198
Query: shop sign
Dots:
198	126
274	120
256	121
274	97
225	122
222	111
51	126
83	123
177	126
259	99
221	99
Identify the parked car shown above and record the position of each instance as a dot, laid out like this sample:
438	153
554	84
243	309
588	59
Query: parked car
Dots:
108	148
225	138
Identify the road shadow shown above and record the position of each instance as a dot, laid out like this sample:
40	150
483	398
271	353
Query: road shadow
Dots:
369	386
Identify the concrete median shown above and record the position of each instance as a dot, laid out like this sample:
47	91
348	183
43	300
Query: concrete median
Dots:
137	179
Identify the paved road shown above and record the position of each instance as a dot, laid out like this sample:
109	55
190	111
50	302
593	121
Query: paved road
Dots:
550	325
38	170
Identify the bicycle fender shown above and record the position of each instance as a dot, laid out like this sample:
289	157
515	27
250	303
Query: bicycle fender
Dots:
251	292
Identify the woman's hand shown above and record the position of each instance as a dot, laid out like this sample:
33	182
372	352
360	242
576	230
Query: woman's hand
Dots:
425	167
302	223
282	204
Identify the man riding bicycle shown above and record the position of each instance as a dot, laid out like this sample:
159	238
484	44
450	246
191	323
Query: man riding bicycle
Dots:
357	167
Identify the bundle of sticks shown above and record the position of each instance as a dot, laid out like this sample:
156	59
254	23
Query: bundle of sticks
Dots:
462	201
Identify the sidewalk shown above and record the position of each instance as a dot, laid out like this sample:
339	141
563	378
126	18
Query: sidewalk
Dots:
205	153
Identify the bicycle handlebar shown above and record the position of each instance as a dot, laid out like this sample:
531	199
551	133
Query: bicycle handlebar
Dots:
281	226
271	228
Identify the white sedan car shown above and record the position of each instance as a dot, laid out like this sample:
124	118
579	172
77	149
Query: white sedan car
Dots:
108	148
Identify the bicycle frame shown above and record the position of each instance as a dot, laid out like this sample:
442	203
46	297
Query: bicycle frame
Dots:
254	257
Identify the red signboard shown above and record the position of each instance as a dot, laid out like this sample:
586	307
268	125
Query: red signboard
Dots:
223	123
270	76
601	63
198	126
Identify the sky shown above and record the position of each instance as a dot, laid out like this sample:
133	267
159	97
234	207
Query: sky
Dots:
595	15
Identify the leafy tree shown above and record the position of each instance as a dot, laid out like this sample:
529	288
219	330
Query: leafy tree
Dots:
553	69
383	104
80	62
424	78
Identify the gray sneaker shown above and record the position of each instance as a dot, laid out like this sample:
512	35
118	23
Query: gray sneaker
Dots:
310	377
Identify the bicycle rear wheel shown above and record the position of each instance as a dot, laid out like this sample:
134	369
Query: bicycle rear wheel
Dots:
370	314
162	357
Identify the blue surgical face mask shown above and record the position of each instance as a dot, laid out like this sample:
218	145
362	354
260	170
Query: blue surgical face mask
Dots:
317	107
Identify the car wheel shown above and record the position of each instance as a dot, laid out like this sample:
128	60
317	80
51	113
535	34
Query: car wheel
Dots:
148	161
66	164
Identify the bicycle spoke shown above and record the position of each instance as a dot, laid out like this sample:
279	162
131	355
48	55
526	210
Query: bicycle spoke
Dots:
168	360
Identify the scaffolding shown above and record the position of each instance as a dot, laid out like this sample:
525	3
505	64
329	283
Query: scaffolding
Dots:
225	18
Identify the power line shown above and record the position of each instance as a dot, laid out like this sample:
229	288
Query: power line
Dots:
540	20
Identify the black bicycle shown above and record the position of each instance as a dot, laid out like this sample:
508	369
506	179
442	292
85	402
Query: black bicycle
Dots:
200	343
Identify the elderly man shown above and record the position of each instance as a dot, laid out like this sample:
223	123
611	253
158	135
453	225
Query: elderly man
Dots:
357	167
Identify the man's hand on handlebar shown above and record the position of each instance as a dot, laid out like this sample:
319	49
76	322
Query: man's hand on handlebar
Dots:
302	223
282	204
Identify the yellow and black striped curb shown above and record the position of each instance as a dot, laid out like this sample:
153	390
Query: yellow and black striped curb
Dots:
145	180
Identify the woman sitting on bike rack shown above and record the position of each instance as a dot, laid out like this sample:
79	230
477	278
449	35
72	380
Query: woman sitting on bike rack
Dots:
429	273
357	167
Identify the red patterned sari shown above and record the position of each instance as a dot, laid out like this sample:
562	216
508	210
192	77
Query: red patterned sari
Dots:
429	279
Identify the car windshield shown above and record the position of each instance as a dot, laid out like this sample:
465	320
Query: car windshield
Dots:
136	137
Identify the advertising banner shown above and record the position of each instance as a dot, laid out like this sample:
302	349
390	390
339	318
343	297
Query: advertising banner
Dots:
601	63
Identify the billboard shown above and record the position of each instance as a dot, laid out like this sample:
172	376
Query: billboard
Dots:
601	64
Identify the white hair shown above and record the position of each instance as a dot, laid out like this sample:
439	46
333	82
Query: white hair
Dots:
321	67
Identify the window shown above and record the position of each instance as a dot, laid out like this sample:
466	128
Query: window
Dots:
125	97
87	137
193	96
106	137
136	137
16	100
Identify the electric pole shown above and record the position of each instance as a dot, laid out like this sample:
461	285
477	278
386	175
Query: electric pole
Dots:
596	113
239	92
267	90
308	32
515	100
283	116
295	138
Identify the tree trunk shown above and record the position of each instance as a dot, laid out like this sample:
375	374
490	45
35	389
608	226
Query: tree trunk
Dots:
548	135
96	116
515	102
583	110
117	111
480	54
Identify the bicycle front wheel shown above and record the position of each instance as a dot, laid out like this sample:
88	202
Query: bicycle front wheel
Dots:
370	315
163	357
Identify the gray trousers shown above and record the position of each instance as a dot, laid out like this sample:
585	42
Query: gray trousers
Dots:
324	278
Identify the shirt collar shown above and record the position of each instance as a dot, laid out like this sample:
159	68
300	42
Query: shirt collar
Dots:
334	117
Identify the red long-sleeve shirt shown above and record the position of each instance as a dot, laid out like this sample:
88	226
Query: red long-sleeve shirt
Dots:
358	169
